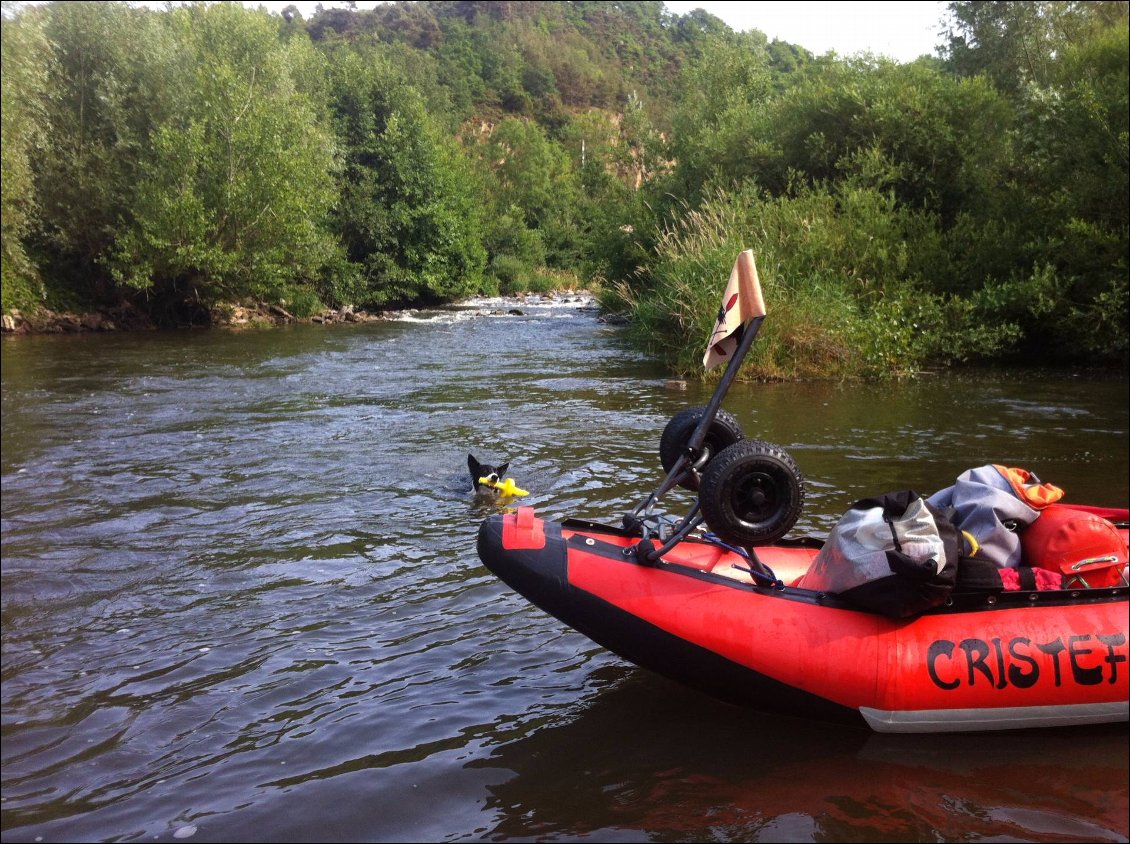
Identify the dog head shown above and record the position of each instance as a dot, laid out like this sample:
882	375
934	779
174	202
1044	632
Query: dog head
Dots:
484	470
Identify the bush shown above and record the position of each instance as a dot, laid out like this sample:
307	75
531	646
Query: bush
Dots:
547	280
300	301
508	272
835	271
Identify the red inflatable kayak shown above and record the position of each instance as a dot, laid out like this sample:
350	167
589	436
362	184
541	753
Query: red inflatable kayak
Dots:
987	660
916	630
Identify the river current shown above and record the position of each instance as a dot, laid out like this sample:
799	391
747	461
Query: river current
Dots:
241	599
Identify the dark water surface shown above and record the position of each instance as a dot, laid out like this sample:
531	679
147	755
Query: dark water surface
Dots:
241	600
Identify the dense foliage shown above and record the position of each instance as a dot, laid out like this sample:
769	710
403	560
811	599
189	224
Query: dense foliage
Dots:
966	207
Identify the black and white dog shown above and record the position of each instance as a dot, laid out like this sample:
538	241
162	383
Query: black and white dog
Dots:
485	470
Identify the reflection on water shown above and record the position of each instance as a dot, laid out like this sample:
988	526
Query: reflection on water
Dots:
646	755
241	599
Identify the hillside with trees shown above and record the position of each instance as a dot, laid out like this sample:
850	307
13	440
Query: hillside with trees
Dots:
968	207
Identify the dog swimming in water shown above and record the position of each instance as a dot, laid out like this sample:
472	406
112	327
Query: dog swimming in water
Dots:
478	470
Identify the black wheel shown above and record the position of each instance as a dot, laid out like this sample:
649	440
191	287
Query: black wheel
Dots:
752	493
723	432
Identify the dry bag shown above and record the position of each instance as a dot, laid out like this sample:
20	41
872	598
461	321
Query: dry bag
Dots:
895	554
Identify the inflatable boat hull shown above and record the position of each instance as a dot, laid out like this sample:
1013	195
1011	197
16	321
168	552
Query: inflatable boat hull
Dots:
1008	660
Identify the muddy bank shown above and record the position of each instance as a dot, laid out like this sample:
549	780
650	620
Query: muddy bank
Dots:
129	318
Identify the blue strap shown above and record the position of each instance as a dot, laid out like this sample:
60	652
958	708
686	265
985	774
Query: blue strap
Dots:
757	569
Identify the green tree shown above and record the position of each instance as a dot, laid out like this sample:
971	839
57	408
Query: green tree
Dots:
237	177
720	131
1058	219
934	140
1074	150
534	173
460	67
617	156
1016	42
104	100
407	217
23	83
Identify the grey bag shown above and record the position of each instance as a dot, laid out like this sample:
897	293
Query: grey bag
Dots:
988	509
895	554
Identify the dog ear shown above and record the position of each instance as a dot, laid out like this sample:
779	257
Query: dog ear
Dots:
502	469
473	465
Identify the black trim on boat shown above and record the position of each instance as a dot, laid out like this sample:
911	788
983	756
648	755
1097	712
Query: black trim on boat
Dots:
540	576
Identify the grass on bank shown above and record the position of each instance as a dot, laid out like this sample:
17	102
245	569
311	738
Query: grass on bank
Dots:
841	302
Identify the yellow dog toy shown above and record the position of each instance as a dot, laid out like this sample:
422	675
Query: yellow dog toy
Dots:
507	487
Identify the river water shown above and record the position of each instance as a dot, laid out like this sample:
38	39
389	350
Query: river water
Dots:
241	599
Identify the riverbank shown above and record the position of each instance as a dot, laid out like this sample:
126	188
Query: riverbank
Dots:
260	315
129	318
